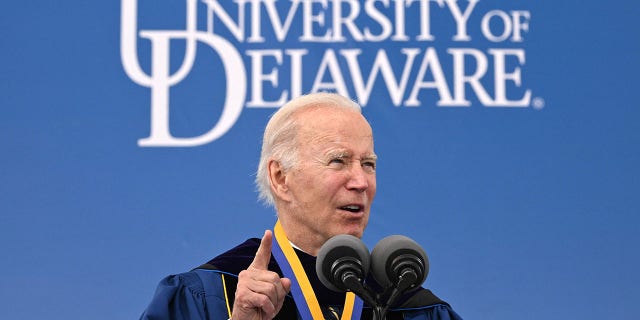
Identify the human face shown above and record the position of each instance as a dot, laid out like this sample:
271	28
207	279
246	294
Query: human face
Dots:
331	187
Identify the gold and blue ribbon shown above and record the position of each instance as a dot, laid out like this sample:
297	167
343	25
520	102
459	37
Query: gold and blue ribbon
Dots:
301	289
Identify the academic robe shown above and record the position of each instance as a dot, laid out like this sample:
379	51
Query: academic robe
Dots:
207	292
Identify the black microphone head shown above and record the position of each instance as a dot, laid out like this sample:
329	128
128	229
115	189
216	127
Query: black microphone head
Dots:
395	255
340	254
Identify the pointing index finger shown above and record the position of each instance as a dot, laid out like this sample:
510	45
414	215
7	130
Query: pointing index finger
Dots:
263	255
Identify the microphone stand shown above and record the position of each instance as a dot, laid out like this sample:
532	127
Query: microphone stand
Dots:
353	283
405	281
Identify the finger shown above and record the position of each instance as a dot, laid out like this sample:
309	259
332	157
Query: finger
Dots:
286	284
267	283
286	287
269	289
263	255
251	302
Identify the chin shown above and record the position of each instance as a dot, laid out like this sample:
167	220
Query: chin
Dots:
356	232
355	229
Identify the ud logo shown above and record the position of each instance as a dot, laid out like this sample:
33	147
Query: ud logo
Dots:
160	79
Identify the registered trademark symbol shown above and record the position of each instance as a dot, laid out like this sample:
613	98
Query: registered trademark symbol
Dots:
537	103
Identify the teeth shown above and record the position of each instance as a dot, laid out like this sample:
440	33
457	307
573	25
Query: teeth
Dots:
352	208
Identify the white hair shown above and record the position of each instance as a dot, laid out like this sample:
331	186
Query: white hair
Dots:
280	136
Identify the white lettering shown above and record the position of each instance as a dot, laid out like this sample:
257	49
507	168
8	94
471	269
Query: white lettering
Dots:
309	19
381	19
460	78
425	19
237	29
257	78
348	21
330	62
486	26
439	81
381	65
520	25
501	77
461	18
281	29
296	70
283	70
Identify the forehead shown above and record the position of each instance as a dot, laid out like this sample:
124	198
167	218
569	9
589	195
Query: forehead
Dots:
331	128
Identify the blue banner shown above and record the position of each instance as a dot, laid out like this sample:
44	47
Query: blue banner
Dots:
507	135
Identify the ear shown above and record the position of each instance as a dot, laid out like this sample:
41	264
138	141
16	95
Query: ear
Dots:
278	180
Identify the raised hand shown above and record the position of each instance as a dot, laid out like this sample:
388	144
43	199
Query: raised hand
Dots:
260	292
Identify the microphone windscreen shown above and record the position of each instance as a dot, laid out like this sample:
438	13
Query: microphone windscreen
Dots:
337	248
393	253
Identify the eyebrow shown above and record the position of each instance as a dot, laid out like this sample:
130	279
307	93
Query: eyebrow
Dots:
338	154
346	154
371	156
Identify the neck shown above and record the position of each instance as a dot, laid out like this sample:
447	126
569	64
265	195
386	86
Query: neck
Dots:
302	240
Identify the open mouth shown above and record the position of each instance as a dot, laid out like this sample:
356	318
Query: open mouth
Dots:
352	208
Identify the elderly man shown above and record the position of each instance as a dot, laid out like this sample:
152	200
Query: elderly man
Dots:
318	169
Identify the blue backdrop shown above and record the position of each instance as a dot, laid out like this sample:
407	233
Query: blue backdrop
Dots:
507	133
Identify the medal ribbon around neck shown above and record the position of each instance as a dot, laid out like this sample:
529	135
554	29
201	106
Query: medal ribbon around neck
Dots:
301	289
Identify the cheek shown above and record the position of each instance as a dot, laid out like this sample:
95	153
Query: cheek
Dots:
333	182
372	188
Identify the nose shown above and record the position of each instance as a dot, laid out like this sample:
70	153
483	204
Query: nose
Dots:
358	178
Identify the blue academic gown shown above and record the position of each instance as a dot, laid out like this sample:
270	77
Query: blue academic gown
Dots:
207	292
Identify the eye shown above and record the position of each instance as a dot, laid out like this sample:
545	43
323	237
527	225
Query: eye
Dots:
337	161
369	165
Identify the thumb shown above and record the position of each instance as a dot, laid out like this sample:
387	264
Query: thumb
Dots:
263	255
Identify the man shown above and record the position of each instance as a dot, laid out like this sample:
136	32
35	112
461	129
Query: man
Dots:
318	169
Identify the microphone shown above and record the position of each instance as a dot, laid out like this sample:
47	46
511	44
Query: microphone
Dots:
399	262
343	263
